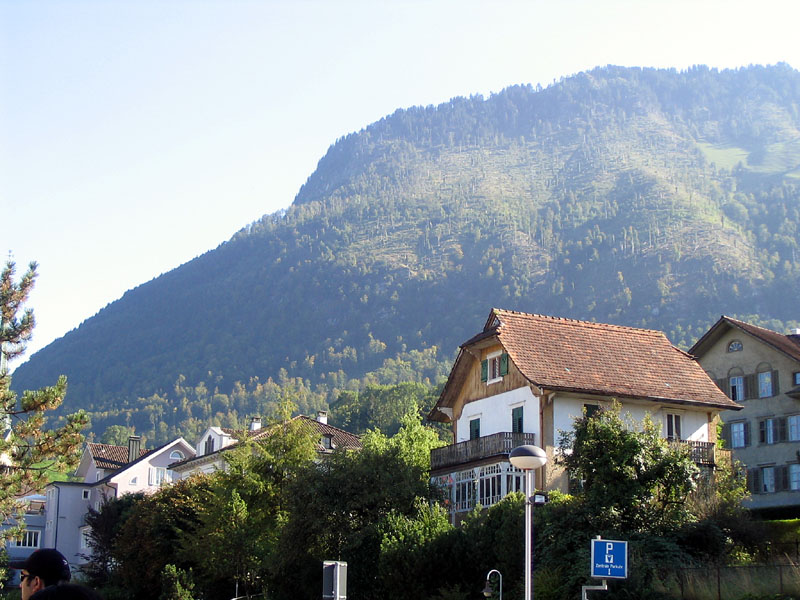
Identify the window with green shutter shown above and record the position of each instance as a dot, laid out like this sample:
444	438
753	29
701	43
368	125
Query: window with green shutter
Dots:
516	420
484	370
475	429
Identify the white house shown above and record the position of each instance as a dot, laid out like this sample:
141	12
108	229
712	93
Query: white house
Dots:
106	471
525	378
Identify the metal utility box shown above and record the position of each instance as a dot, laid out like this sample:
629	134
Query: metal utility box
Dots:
334	580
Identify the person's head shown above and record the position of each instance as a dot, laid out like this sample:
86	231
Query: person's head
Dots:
44	567
66	591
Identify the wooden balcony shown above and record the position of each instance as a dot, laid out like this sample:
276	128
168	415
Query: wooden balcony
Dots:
702	453
497	444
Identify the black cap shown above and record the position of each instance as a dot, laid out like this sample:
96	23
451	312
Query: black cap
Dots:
47	563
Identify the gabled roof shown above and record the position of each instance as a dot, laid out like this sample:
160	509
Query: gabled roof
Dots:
557	354
107	456
787	344
146	454
340	438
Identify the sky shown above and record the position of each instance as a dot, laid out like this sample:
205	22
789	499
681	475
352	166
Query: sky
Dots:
136	135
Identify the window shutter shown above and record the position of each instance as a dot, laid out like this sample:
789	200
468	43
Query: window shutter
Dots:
726	435
750	386
747	433
776	389
474	429
754	480
781	429
781	478
762	432
503	364
484	370
150	476
724	385
516	420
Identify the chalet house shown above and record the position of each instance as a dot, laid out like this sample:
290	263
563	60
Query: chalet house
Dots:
759	369
525	378
215	441
105	471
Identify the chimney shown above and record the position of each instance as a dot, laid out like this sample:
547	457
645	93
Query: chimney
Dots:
322	416
255	423
134	446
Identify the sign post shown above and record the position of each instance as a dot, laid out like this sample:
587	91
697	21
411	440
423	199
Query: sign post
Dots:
609	561
334	580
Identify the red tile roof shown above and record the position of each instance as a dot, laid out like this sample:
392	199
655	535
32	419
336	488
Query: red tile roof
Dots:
560	354
107	456
339	437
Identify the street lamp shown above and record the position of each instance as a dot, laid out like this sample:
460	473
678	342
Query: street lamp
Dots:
488	591
528	458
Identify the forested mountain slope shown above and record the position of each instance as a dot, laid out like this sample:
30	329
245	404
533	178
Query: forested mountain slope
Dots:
650	198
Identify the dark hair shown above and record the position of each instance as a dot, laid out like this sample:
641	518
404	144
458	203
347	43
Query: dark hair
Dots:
67	591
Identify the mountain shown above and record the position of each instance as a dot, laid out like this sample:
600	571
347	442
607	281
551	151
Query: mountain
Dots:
652	198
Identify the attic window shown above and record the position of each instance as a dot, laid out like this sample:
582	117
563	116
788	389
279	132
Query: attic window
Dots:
209	447
176	455
495	322
735	346
494	367
327	441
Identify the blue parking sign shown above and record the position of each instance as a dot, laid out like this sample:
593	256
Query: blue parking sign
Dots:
609	559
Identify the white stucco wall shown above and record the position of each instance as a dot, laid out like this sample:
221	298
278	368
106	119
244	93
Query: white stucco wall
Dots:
495	413
141	470
694	423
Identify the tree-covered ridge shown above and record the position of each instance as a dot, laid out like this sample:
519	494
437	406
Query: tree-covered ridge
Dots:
644	197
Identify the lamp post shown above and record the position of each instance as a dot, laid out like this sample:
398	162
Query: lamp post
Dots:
488	591
528	458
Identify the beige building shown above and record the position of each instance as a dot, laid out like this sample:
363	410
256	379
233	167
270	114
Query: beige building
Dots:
759	369
525	378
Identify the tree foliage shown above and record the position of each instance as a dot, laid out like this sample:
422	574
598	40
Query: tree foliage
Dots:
29	449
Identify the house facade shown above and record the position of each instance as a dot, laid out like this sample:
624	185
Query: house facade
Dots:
106	471
525	378
759	369
215	441
20	549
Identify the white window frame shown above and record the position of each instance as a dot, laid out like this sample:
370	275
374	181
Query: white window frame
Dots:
157	476
31	538
771	430
85	537
134	481
794	477
177	455
671	419
765	386
768	483
737	383
737	435
793	428
493	366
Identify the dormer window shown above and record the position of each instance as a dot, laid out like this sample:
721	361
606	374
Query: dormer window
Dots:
494	368
735	346
209	447
327	441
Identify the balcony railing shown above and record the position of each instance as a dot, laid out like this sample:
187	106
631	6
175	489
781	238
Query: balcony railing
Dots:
483	447
702	453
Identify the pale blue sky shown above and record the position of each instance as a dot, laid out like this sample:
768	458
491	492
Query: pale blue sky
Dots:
136	135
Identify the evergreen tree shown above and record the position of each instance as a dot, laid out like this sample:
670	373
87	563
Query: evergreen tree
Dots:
28	450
